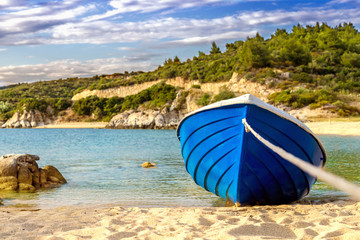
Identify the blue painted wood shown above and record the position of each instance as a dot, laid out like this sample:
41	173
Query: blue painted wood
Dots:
225	160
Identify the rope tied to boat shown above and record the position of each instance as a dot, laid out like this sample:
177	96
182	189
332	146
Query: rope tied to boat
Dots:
318	172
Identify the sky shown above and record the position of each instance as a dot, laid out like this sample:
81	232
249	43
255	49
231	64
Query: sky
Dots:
48	40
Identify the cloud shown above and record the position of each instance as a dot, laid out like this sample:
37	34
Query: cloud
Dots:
343	1
146	6
35	18
210	38
65	22
72	68
61	28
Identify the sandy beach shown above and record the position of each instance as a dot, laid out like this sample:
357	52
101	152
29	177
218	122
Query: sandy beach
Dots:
304	220
337	128
75	125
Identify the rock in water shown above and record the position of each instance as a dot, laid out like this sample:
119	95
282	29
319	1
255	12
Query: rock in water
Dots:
20	172
148	165
53	175
8	166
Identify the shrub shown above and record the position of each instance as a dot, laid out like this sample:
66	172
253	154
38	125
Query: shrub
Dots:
303	97
223	95
203	100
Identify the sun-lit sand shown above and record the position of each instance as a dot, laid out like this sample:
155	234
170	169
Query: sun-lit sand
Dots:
75	125
305	220
326	127
338	128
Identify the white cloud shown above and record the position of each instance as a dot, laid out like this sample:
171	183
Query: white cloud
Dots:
211	38
32	19
342	1
65	23
71	68
145	6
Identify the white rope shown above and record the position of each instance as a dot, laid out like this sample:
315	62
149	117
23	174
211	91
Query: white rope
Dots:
317	172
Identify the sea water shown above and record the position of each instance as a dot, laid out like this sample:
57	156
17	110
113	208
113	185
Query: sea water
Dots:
103	166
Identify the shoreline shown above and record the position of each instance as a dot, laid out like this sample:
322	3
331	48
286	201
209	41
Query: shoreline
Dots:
320	128
304	220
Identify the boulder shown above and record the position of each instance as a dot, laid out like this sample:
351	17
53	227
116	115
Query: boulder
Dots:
148	165
20	172
36	179
28	161
23	187
9	183
8	166
43	177
53	175
24	175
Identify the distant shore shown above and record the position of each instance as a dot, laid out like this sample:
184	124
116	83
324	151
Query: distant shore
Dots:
326	127
76	125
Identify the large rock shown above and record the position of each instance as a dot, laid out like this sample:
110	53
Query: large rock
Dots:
26	119
9	183
24	175
8	166
53	175
20	172
148	119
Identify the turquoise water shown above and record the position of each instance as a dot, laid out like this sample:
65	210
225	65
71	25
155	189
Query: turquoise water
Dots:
103	166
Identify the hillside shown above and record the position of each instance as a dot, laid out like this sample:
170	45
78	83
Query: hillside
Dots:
313	71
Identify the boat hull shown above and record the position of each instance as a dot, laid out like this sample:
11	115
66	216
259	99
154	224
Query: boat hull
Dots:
224	159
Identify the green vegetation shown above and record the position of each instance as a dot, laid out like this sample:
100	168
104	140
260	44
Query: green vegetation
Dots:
154	97
102	108
206	99
105	108
322	65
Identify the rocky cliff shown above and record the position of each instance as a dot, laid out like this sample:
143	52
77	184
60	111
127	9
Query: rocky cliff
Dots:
170	116
26	119
167	118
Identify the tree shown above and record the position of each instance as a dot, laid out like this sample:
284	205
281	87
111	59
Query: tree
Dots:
177	60
350	59
294	53
254	52
215	49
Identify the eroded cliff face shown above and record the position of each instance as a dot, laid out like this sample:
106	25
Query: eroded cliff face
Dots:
115	92
236	84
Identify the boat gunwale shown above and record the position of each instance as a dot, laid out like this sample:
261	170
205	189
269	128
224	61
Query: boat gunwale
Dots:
249	99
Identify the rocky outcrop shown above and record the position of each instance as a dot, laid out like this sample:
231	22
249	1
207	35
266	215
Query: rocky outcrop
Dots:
26	119
167	118
20	172
146	119
170	116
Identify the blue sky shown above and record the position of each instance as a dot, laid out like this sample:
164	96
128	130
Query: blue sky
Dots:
47	40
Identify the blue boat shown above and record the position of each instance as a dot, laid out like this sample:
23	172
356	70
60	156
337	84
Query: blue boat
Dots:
226	160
